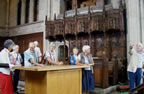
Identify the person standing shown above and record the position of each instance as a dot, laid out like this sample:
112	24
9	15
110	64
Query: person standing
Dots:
38	51
135	65
51	56
18	59
30	56
74	57
6	73
85	58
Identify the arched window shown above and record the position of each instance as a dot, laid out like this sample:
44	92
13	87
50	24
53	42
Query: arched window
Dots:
36	5
27	7
19	9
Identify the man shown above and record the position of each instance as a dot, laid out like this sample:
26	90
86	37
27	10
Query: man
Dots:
6	73
135	65
38	51
30	56
51	55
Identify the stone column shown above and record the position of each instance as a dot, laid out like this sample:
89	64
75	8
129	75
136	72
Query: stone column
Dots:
31	11
141	5
23	12
133	22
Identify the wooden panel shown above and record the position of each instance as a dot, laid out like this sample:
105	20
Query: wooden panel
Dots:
64	82
98	74
35	82
54	82
24	40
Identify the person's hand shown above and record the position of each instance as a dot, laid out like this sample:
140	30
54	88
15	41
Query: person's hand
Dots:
41	65
60	63
131	45
91	64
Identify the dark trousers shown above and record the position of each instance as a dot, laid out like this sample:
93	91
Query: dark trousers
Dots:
15	79
135	78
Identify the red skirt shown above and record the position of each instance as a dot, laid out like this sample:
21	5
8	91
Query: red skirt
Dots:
6	86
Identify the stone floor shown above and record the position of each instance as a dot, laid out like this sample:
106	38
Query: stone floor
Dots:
110	90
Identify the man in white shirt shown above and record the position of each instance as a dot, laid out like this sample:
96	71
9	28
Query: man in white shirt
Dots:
135	65
5	73
38	51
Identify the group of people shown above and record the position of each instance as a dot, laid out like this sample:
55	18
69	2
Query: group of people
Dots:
83	58
135	65
32	57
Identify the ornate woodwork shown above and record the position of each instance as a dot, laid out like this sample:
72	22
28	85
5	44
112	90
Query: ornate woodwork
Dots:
104	32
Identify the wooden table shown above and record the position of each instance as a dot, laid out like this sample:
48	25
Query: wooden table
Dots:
64	79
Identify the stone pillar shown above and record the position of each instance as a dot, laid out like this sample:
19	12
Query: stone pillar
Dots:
23	12
141	5
31	11
133	22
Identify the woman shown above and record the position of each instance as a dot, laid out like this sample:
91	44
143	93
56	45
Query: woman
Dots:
135	65
85	58
18	59
51	57
6	73
74	57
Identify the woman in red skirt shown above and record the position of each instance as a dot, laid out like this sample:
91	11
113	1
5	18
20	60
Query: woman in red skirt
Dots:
6	86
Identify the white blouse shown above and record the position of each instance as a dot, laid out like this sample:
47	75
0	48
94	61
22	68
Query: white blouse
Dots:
4	58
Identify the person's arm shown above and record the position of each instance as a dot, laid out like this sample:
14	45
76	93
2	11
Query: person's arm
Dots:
131	49
92	63
40	55
28	57
40	59
35	63
78	62
54	62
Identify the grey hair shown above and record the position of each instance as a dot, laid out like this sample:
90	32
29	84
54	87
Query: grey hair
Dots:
52	45
31	43
15	47
36	43
85	47
75	50
9	43
140	44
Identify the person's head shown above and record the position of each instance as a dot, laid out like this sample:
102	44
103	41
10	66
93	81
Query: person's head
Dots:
16	48
86	49
9	44
31	46
36	43
52	46
139	47
75	51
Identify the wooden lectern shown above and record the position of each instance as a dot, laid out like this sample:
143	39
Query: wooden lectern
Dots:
65	79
